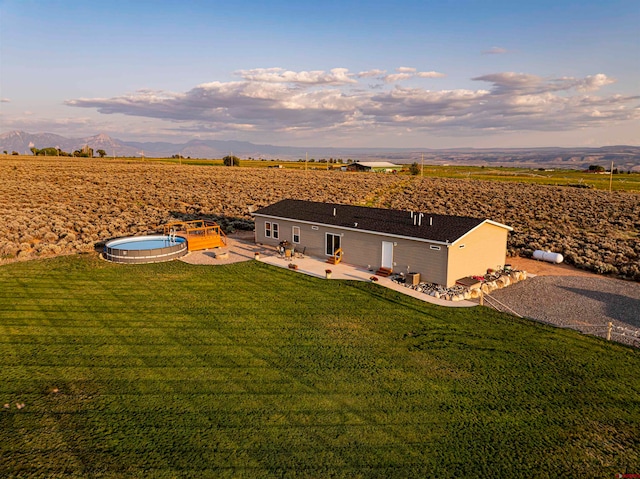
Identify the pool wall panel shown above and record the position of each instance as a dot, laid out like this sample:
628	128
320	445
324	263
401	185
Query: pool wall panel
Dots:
156	255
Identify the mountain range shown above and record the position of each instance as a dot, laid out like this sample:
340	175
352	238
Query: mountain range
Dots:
626	158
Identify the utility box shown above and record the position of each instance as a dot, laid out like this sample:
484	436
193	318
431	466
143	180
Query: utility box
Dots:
413	279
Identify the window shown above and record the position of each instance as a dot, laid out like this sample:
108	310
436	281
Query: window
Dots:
274	228
436	248
333	243
295	234
267	229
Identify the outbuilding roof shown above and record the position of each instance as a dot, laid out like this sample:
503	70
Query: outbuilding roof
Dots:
425	226
376	164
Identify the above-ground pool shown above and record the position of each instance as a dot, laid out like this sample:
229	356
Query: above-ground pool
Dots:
145	249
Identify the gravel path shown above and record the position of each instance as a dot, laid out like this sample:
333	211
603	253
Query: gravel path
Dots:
580	302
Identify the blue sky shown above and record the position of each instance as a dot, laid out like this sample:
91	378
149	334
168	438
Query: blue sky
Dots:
416	74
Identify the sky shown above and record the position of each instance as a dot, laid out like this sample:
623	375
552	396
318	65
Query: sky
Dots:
414	74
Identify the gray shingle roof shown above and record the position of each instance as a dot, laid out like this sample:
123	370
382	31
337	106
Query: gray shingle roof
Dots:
441	228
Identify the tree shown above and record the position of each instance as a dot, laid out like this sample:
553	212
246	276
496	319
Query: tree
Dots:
414	169
34	150
48	151
102	153
85	152
4	151
230	160
596	168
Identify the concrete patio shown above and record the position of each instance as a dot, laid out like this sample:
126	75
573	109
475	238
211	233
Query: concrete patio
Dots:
316	267
243	248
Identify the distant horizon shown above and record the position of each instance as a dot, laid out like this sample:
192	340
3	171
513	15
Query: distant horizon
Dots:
184	140
412	74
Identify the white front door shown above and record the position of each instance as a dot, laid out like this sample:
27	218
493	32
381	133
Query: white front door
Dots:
387	254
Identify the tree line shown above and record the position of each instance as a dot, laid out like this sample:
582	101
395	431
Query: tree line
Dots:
85	152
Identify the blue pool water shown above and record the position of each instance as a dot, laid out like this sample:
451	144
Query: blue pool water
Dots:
149	242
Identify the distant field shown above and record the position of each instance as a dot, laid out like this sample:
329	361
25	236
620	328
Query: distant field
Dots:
555	177
620	182
246	370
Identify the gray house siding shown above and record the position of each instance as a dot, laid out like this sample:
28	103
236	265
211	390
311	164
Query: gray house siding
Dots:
363	249
419	257
441	248
312	237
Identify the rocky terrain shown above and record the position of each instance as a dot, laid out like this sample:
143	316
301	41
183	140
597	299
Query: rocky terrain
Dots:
53	206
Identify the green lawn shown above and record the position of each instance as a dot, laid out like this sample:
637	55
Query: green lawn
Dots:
247	370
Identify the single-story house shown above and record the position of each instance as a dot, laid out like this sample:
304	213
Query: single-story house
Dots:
441	248
376	166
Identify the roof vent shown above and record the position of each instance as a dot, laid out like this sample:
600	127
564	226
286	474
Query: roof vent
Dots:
334	212
420	219
355	225
430	220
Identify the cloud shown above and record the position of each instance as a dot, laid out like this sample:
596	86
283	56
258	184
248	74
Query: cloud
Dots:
394	77
593	83
405	73
276	101
495	51
5	100
510	82
371	73
430	75
337	76
514	83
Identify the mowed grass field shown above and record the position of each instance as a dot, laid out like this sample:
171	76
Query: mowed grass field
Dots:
247	370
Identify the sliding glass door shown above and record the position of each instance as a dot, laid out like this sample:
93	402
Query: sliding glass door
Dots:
332	243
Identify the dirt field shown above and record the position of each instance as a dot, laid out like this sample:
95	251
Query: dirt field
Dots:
53	206
542	268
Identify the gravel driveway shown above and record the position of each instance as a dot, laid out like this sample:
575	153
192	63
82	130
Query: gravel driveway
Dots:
580	302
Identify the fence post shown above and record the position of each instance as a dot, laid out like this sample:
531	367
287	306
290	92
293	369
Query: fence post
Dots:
610	326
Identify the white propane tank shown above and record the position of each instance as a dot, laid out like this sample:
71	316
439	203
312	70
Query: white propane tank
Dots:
548	256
